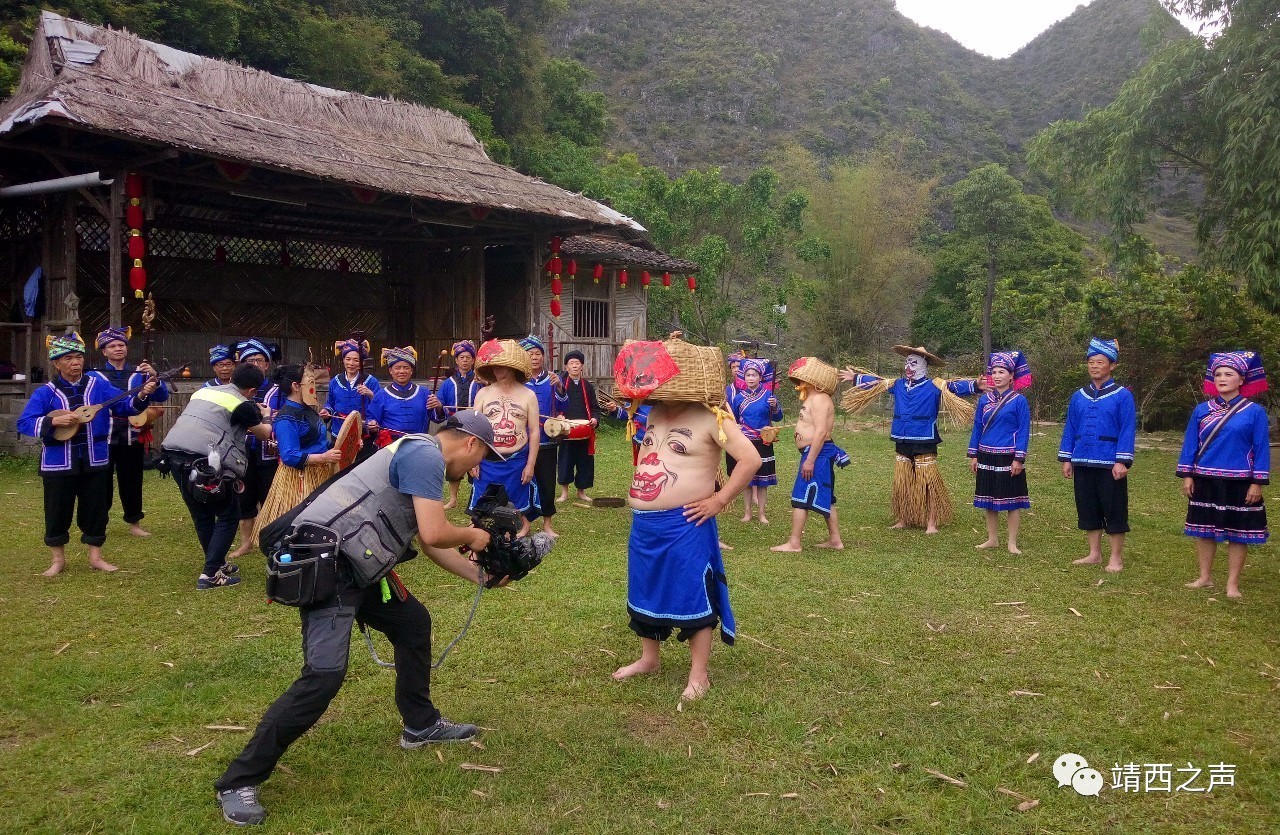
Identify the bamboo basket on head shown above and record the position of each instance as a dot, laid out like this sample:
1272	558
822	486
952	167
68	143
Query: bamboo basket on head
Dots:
701	378
816	373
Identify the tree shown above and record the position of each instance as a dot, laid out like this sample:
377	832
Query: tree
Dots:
990	209
1207	108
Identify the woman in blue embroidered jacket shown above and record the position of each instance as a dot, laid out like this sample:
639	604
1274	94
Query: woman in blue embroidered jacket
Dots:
755	408
75	472
1225	461
998	447
1097	452
263	460
400	407
352	390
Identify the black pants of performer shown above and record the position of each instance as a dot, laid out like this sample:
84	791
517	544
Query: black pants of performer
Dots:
544	476
577	466
1102	503
257	484
85	495
216	522
126	465
326	641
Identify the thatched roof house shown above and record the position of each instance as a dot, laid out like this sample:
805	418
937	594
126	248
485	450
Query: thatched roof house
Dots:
273	207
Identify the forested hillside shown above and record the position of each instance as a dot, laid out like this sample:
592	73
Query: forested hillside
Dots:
722	82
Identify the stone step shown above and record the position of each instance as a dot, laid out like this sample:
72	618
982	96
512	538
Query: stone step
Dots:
11	443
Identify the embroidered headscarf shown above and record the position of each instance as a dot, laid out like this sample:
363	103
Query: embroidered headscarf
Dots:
246	348
345	346
465	346
219	353
109	335
530	342
1015	362
391	356
63	344
1247	363
746	364
1109	348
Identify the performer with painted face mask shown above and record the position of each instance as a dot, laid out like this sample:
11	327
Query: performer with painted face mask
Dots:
399	408
352	390
512	409
1225	463
998	447
223	362
920	498
1097	452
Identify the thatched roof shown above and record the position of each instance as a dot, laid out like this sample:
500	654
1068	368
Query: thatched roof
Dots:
111	82
609	250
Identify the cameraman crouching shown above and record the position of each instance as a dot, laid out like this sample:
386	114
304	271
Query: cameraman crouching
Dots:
209	436
399	490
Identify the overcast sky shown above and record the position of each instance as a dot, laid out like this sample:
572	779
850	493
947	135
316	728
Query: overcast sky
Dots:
993	27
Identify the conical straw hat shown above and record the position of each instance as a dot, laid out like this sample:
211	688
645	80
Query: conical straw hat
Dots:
506	353
816	373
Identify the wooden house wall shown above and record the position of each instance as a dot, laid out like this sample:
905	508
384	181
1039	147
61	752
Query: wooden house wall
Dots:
628	320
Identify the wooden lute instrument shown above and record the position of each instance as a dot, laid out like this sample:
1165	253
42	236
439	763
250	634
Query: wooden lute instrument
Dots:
152	413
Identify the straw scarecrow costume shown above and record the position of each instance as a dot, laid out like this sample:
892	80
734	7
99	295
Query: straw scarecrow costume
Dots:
920	498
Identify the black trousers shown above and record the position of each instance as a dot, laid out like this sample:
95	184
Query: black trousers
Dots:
216	522
126	466
544	475
257	484
577	466
87	496
326	642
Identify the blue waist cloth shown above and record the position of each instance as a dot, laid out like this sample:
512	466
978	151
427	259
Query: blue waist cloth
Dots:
819	492
507	473
675	576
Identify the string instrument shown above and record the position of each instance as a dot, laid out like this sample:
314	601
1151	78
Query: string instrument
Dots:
85	413
152	413
442	370
567	428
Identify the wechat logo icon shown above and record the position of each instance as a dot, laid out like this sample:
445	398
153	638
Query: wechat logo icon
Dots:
1074	771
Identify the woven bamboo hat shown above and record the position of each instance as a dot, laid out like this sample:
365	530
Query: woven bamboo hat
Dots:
672	370
506	353
930	358
816	373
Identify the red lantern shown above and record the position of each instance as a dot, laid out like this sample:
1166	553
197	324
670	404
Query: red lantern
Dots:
666	279
557	286
137	245
555	246
555	308
597	273
553	266
133	216
133	186
219	254
622	279
137	278
693	284
644	278
572	269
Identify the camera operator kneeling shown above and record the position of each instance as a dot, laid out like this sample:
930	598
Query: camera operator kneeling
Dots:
412	473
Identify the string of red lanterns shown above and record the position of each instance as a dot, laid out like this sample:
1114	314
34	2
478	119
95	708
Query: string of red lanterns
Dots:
134	217
553	266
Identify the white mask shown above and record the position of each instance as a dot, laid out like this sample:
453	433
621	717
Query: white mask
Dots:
915	367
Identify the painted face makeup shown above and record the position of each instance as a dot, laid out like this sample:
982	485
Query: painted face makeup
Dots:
308	387
915	367
660	463
509	420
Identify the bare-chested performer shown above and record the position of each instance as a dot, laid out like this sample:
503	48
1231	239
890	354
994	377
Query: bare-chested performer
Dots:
675	575
815	481
513	411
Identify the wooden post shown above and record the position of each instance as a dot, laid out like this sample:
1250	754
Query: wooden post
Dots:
115	252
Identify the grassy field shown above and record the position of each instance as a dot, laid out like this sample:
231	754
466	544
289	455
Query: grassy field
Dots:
856	676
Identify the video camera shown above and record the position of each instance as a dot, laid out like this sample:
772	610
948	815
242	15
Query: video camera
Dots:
508	554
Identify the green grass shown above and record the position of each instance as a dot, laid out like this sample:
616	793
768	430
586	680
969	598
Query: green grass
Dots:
853	674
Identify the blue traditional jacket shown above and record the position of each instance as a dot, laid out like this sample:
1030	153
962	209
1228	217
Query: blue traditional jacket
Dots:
548	401
299	431
916	404
124	379
1241	449
457	391
258	451
343	399
401	409
59	457
1101	427
751	408
1004	430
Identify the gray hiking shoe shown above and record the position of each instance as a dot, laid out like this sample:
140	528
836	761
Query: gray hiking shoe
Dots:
442	731
241	806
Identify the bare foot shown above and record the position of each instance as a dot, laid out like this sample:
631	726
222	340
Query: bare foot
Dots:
696	690
55	568
786	548
563	498
990	543
240	552
550	533
102	565
1114	567
764	521
1092	559
1013	549
1234	594
746	518
931	529
898	526
452	503
635	668
1199	584
835	545
724	546
137	530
